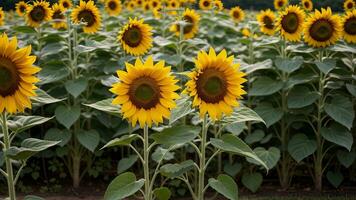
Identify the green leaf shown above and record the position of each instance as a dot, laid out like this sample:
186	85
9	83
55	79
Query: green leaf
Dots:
352	89
162	193
270	156
341	110
326	65
300	147
29	147
269	114
53	71
89	139
43	98
177	169
243	114
55	134
162	154
184	108
248	69
21	123
289	65
24	29
123	186
126	163
346	158
67	116
233	144
176	135
255	136
33	197
301	96
343	48
106	106
335	178
162	42
338	134
232	169
51	49
225	185
264	86
122	141
299	78
76	87
252	181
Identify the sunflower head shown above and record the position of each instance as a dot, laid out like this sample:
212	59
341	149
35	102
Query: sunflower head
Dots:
65	3
146	6
219	6
246	32
215	84
279	4
290	23
206	4
191	28
113	7
16	76
131	5
155	4
146	92
58	16
307	5
2	16
37	13
349	26
349	5
237	14
88	13
21	8
136	37
322	28
266	20
173	5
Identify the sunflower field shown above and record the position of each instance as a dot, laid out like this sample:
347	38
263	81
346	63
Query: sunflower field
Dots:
176	99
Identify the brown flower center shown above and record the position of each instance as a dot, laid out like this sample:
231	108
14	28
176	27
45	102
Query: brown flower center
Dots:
211	85
144	92
112	5
133	36
188	27
280	3
22	8
206	3
268	23
154	4
306	5
236	14
58	15
350	26
350	5
38	14
87	16
321	30
290	22
65	4
9	78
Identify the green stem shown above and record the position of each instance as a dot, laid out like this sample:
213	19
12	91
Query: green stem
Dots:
146	163
9	170
202	159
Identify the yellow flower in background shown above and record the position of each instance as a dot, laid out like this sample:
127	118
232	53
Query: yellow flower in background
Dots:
279	4
16	76
349	26
136	37
146	6
206	4
88	13
139	3
173	5
290	23
37	13
307	5
237	14
146	92
189	30
131	5
113	7
349	5
322	29
2	16
246	32
65	3
219	5
266	20
58	16
215	84
155	4
21	8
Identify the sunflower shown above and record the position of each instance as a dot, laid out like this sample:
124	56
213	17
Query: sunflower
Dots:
37	13
2	16
139	3
349	26
58	15
246	32
173	5
146	6
266	20
131	6
307	5
136	37
21	8
113	7
215	84
322	29
89	14
290	23
16	76
146	92
189	30
155	4
237	14
349	5
65	3
279	4
219	5
205	4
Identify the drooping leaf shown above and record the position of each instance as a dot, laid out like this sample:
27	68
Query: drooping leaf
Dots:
122	141
76	87
341	110
184	108
335	178
67	116
43	98
346	158
162	154
22	123
177	169
176	135
126	163
225	185
123	186
300	147
301	96
338	134
252	181
270	156
89	139
106	106
55	134
269	114
326	65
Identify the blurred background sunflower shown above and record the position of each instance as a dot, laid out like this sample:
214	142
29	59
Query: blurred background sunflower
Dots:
307	5
58	16
237	14
113	7
349	26
279	4
38	12
290	23
266	20
66	3
88	13
191	28
21	8
2	17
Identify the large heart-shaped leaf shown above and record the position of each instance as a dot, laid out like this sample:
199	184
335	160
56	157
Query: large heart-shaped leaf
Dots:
162	193
55	134
300	147
270	156
335	178
43	98
326	65
76	87
341	110
289	65
252	181
176	135
346	158
225	185
339	135
67	116
269	114
89	139
126	163
177	169
264	86
123	186
301	96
